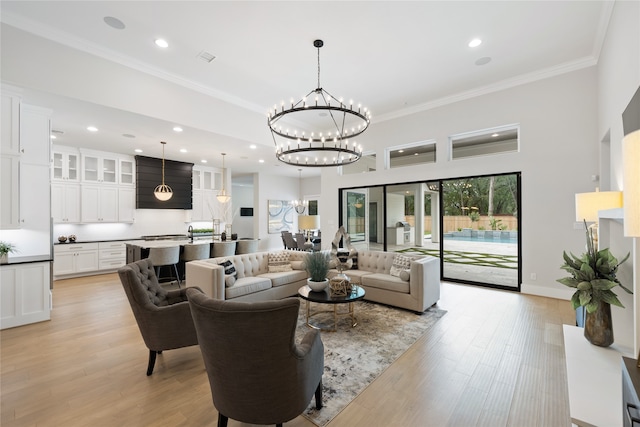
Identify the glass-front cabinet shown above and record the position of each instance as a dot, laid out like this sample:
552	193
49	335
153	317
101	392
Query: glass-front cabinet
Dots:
96	168
127	172
66	166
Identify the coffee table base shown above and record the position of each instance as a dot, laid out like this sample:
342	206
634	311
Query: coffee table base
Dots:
336	313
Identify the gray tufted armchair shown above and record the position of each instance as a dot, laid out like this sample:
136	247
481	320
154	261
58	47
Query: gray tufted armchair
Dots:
257	372
163	316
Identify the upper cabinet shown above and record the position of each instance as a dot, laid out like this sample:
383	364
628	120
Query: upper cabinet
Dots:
99	168
127	171
66	164
10	129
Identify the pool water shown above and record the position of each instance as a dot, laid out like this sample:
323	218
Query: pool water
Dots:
480	239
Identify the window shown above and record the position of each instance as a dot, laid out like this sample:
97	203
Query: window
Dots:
503	139
410	154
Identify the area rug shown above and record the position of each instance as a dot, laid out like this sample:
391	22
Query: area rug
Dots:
354	357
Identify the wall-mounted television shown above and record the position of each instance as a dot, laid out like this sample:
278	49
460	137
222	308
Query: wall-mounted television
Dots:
246	211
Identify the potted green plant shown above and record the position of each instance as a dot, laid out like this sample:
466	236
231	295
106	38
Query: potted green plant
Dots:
317	266
5	249
593	276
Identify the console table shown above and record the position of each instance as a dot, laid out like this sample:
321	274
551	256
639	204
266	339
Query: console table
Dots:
594	378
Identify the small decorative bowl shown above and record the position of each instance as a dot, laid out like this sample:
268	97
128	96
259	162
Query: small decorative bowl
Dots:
72	238
62	239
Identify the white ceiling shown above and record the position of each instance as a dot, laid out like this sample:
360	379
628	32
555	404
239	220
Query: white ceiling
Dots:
395	57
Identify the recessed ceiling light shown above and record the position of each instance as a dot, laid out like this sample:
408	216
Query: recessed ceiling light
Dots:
114	22
53	137
183	150
261	161
475	43
137	150
162	43
400	151
128	135
92	129
495	134
253	146
415	154
177	129
203	161
484	60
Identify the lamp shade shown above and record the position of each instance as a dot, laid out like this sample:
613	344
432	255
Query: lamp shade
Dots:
588	204
631	183
309	222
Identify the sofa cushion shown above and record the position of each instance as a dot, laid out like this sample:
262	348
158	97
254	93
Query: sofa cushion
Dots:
385	281
246	286
405	275
279	262
400	262
285	277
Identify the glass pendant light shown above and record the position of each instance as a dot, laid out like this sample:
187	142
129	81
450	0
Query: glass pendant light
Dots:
163	192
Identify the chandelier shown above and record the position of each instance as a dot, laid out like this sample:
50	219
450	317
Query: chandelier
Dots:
222	196
163	192
300	205
334	124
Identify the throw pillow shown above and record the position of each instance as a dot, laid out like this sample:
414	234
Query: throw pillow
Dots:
354	258
405	275
400	262
229	272
279	262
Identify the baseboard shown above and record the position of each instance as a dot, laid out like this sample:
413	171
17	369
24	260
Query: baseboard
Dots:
545	291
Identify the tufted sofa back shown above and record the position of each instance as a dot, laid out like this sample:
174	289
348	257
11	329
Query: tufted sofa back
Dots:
377	261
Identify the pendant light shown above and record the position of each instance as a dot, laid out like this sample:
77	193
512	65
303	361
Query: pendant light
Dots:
163	192
222	196
300	205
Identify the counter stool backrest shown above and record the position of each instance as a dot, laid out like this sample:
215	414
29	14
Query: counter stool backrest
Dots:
165	256
196	251
223	249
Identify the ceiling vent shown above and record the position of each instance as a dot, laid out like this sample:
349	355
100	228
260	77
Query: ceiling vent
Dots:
206	56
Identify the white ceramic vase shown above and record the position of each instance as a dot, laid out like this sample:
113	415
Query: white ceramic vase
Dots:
318	286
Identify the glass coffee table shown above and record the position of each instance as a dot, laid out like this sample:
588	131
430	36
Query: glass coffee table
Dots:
325	297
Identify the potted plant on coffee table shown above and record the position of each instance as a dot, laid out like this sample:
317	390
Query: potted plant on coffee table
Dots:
317	266
593	275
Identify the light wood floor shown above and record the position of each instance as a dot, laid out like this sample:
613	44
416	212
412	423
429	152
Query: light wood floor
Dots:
495	359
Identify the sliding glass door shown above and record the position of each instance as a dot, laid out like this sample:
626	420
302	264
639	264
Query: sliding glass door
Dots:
480	224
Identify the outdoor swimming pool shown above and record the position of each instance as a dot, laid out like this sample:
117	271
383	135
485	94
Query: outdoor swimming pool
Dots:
480	239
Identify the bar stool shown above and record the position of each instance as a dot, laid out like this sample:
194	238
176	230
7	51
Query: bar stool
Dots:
223	249
194	251
246	246
161	257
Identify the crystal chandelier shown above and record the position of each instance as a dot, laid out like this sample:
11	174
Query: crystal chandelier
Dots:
163	192
333	123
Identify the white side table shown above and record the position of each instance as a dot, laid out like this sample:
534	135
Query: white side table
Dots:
594	377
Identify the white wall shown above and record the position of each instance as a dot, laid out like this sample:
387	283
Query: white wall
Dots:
557	119
618	80
271	188
243	198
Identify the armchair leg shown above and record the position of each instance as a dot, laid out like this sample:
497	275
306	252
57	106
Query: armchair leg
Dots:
152	362
319	396
222	420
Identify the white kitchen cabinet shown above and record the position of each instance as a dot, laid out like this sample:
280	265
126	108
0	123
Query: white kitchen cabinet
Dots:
66	165
112	255
99	168
99	203
127	168
10	125
203	205
126	204
36	194
35	134
10	192
74	258
25	294
65	203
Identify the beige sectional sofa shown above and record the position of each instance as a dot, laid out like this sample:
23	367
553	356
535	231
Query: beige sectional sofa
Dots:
420	292
254	282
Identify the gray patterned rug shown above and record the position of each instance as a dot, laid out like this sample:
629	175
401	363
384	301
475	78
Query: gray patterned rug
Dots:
354	357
